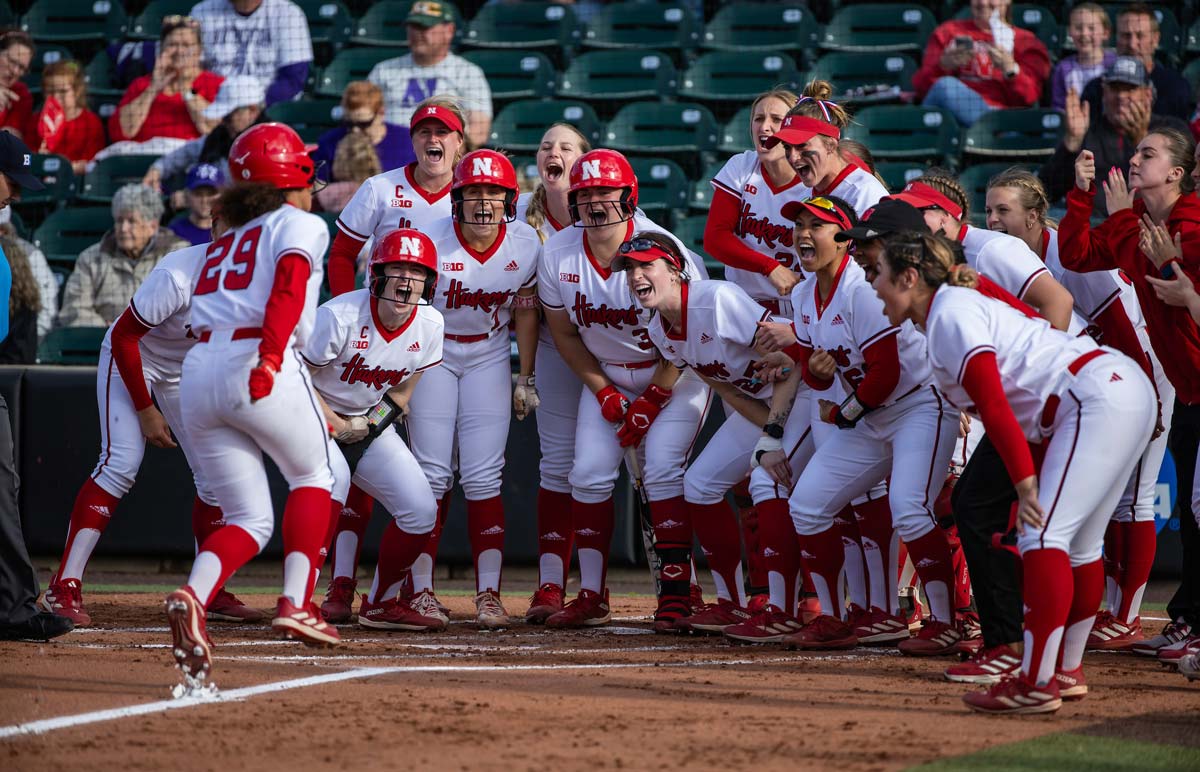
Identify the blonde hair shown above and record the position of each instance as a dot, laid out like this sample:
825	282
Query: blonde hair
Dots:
1092	8
68	68
782	94
535	212
453	106
355	158
1031	194
361	93
1183	154
815	103
945	183
933	258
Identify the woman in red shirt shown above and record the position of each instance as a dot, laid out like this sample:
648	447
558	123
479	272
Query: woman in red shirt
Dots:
170	101
64	125
16	54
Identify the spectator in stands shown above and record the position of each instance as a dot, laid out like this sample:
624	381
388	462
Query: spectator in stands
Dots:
1125	117
1089	28
430	69
203	183
238	106
65	125
169	102
47	282
16	103
108	273
363	112
264	39
976	65
24	306
1138	36
354	161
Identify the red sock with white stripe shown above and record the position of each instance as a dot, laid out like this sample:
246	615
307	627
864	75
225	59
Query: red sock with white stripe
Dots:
747	514
89	517
422	567
1047	592
880	546
305	525
555	537
1113	557
823	556
780	552
397	551
931	558
593	541
1140	542
962	578
854	565
225	551
716	526
346	545
1088	581
485	525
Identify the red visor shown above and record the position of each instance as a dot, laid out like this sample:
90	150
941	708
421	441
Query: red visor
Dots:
923	196
821	208
437	113
639	253
798	129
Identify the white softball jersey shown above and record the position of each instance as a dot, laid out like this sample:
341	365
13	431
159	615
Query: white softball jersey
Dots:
163	303
393	200
1095	291
1004	259
857	187
359	359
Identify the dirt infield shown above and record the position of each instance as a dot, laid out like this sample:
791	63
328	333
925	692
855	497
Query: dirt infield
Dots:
524	698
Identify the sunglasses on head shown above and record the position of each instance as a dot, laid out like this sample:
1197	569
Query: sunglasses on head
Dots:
823	203
650	246
179	20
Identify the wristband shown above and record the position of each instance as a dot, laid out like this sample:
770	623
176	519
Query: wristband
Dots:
526	380
1166	271
765	445
849	412
774	431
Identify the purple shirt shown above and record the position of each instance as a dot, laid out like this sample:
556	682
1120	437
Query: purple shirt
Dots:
1070	74
189	231
395	149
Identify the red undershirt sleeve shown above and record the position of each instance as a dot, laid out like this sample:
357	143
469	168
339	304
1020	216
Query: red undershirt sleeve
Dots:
126	335
882	372
982	382
284	306
720	241
343	257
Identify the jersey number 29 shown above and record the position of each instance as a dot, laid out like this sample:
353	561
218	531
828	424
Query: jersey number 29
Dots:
239	272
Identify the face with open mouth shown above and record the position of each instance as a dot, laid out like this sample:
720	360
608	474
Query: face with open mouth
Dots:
765	120
653	283
404	284
600	207
556	155
1005	213
436	147
483	205
812	238
810	160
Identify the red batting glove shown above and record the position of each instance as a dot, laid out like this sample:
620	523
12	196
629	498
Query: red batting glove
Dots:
262	378
613	404
641	414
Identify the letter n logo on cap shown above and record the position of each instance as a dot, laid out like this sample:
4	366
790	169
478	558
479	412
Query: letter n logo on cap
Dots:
410	246
481	167
591	170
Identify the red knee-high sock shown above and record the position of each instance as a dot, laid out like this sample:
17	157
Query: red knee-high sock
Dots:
756	571
672	521
716	526
349	530
593	540
854	565
555	537
485	526
335	512
305	525
934	565
1113	561
780	552
93	509
1047	593
824	557
397	551
962	578
1088	581
880	545
1141	540
225	551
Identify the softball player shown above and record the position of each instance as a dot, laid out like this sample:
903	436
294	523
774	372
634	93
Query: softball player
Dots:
1032	384
488	276
601	332
558	387
244	390
369	348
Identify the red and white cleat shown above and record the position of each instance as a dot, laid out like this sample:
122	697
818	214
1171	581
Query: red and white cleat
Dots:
589	609
65	598
189	638
880	627
1173	633
396	614
489	611
767	626
713	618
1071	686
225	607
987	666
546	600
1111	634
824	633
1015	696
338	606
935	639
426	604
304	623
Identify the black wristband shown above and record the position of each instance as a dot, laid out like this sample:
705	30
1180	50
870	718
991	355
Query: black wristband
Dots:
774	431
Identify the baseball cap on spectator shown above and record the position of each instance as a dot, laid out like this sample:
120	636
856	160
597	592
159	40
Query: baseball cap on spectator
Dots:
798	129
429	13
236	91
16	161
890	215
1128	70
923	196
437	113
205	176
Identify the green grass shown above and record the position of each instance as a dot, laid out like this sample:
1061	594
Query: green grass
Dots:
1067	752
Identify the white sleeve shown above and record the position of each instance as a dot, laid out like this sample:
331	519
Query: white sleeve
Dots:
1093	291
731	178
307	236
295	43
1013	266
359	218
327	339
158	298
867	322
547	283
959	333
737	317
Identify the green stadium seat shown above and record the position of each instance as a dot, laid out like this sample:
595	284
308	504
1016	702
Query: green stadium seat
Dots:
906	131
526	26
974	180
384	24
310	118
665	26
735	136
1015	132
619	75
329	21
519	126
879	27
71	346
72	21
7	17
103	179
1192	74
761	27
351	64
45	54
61	274
1038	19
67	232
700	192
99	77
866	77
516	74
662	187
720	76
662	127
146	25
55	173
690	230
1191	42
897	174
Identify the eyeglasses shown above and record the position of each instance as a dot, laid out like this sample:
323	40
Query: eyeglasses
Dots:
361	125
179	20
21	67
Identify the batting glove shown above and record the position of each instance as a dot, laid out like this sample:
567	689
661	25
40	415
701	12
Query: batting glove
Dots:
525	397
262	378
641	414
765	444
613	404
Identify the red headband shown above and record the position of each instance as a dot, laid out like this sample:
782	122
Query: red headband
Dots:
798	129
437	113
923	196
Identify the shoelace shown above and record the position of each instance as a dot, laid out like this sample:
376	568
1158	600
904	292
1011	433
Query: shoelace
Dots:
425	605
490	605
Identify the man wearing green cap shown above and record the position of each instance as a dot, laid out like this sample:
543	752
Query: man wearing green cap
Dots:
429	69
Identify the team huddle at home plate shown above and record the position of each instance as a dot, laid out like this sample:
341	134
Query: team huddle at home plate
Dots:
937	436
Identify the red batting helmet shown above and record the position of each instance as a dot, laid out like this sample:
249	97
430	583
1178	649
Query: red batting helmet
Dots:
485	167
604	169
403	246
274	153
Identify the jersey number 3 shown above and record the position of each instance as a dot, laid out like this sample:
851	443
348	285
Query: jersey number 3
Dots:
240	270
